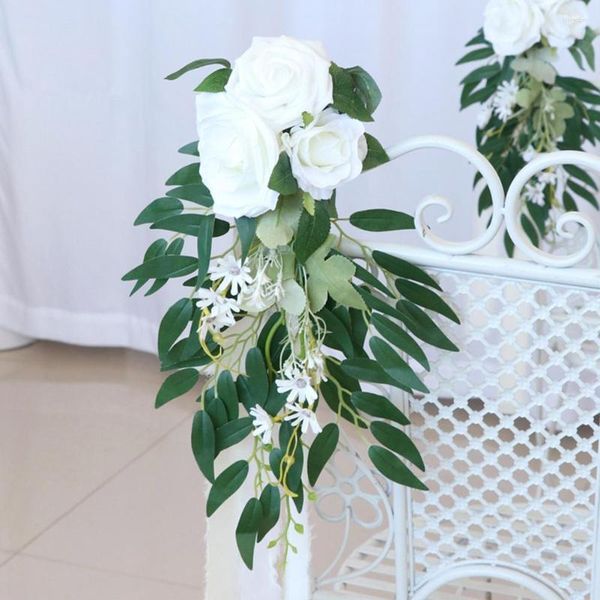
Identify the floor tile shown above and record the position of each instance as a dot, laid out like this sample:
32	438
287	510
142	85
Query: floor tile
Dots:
70	418
27	578
148	521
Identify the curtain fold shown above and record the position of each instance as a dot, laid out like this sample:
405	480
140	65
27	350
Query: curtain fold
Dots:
89	133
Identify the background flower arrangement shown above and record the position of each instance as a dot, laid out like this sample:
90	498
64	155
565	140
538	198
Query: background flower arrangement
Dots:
527	108
282	316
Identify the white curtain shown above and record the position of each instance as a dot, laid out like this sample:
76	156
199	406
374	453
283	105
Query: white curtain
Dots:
89	130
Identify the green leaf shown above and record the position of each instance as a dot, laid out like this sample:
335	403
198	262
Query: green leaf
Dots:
203	444
376	155
258	379
580	174
402	268
159	209
270	502
196	64
227	392
247	530
368	277
332	276
173	323
191	149
421	325
246	228
232	433
366	369
282	179
163	267
478	54
176	385
337	336
481	73
225	485
397	336
393	468
394	366
156	248
204	242
195	192
355	92
215	82
321	451
478	39
188	175
397	441
312	232
191	224
294	298
381	219
583	193
215	408
378	406
426	298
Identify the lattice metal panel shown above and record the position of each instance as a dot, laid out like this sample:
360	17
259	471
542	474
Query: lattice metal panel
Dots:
509	434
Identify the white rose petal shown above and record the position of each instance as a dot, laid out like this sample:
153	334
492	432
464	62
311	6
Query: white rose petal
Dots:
564	21
238	152
280	78
512	26
327	152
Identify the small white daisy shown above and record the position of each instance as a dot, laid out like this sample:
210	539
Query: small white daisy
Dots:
232	274
303	416
315	363
505	99
297	385
263	424
535	193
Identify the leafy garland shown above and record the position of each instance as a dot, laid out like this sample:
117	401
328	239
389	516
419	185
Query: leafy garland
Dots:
285	319
527	108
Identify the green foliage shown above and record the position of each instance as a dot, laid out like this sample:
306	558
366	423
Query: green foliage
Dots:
552	112
203	444
176	385
354	92
226	484
282	180
382	219
376	155
390	466
215	82
197	64
321	450
313	231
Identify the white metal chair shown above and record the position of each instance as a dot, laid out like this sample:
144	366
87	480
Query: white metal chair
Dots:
509	430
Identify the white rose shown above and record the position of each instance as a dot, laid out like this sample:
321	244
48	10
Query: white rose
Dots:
564	21
327	152
238	152
512	26
280	78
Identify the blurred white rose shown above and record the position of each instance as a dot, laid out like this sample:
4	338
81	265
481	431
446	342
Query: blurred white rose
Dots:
564	21
327	152
280	78
238	152
512	26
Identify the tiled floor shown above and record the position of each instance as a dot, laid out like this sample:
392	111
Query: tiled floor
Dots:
100	497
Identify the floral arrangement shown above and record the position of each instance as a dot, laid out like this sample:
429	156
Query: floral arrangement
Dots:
527	108
280	319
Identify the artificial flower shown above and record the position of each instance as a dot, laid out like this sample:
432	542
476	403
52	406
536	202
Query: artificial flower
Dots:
263	424
327	152
512	26
238	152
297	385
564	21
232	273
505	99
280	78
302	416
220	306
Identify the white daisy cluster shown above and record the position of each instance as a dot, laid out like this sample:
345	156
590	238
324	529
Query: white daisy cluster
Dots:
235	288
502	103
